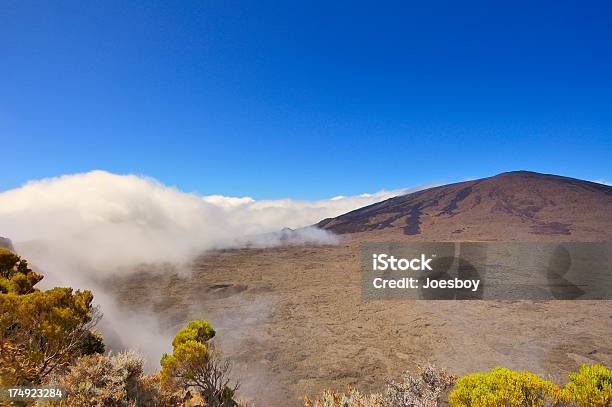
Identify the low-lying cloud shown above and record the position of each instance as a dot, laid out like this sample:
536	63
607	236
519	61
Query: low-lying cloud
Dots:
79	229
108	221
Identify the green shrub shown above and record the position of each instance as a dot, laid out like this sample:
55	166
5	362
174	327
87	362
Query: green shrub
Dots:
195	365
41	332
503	387
591	386
197	331
15	275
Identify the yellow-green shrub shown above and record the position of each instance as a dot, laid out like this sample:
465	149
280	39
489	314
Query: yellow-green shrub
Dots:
189	353
503	387
15	275
194	364
41	332
591	386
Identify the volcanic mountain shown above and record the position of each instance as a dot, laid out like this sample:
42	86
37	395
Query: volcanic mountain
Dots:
518	205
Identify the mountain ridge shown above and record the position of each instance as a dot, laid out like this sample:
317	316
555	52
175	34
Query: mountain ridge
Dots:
512	205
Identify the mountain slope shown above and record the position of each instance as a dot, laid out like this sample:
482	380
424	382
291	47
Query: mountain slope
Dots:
509	206
6	243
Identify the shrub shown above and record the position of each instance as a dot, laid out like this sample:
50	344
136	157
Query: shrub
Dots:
196	331
194	364
503	387
116	380
40	331
92	343
15	275
98	380
424	390
351	399
150	393
591	386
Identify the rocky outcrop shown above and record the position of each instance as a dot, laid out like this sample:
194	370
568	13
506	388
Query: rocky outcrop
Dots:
6	243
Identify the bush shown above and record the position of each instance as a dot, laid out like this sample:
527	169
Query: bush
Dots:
40	331
92	343
15	275
98	380
591	386
424	390
194	364
351	399
116	380
503	387
150	393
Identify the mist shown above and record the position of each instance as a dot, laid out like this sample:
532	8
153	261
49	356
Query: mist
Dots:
80	229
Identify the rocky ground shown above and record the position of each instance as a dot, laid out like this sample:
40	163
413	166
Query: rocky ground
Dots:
294	322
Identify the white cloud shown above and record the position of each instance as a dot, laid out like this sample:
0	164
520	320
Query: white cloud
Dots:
101	222
107	221
79	228
601	181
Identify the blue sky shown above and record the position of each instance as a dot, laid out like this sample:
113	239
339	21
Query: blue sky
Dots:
304	99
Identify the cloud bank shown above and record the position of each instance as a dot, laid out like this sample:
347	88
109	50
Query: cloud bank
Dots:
107	221
79	229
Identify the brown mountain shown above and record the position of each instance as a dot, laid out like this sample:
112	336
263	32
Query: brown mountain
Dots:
518	205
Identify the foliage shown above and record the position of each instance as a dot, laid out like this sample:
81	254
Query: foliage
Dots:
424	390
97	380
150	393
198	331
15	275
195	364
117	380
591	386
351	399
41	331
92	343
503	387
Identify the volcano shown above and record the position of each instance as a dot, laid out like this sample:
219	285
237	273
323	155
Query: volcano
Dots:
517	205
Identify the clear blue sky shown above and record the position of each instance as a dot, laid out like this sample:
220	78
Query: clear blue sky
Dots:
304	99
